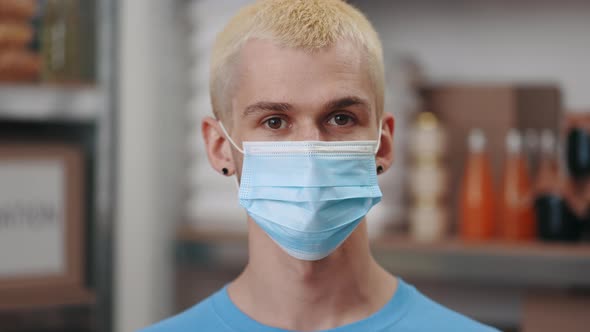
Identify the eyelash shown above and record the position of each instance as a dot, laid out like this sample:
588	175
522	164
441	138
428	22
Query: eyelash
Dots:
266	120
332	116
350	116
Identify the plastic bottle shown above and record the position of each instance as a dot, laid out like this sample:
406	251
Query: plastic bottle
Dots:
517	219
476	210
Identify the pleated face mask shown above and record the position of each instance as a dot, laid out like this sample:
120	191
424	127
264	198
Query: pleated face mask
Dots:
308	196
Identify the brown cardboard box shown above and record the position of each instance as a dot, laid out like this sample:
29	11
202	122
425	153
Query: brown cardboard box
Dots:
556	311
495	109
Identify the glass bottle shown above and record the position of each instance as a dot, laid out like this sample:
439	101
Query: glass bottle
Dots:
476	200
516	217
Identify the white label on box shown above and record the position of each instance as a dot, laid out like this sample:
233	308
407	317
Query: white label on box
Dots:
32	218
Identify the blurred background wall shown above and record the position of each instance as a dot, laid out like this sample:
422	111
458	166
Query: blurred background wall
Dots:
496	41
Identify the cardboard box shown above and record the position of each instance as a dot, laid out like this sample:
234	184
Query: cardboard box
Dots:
556	311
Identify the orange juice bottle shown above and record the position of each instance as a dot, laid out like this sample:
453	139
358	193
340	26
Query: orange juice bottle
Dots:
517	218
476	201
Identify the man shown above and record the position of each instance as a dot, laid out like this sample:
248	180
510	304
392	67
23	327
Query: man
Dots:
297	91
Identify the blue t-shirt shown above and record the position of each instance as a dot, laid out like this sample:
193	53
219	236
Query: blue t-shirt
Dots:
407	311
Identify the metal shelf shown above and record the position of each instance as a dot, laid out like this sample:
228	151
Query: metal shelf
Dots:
534	264
44	298
48	102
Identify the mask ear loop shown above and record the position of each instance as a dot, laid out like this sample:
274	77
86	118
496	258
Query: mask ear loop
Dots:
231	141
379	136
229	137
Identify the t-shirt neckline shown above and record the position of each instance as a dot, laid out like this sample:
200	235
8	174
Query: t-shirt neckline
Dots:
387	316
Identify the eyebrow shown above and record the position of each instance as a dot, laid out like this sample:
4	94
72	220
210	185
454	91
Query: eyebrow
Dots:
339	103
347	102
266	106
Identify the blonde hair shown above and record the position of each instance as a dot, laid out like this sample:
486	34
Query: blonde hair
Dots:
301	24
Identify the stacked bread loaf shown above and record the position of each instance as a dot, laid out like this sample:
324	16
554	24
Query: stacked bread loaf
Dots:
17	62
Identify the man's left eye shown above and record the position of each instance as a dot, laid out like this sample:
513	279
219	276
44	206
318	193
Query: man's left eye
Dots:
340	120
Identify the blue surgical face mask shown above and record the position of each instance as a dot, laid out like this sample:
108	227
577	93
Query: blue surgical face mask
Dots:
308	196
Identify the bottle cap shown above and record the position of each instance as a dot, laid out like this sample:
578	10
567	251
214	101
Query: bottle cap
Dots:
547	141
531	139
513	141
427	120
476	140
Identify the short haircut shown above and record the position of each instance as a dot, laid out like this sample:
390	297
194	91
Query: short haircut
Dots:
310	25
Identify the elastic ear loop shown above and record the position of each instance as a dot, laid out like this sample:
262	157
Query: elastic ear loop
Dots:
231	141
242	151
229	137
379	136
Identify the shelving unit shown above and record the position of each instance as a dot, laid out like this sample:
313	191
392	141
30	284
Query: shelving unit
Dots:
85	115
493	282
48	103
533	264
67	298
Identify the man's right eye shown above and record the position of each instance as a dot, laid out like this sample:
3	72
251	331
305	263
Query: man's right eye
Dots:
276	123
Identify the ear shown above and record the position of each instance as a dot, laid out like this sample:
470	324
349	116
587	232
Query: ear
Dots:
384	156
217	146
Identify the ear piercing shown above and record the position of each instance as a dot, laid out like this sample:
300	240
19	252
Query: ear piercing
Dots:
225	171
379	169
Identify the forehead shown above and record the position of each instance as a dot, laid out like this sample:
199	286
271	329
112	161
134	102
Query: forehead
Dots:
269	72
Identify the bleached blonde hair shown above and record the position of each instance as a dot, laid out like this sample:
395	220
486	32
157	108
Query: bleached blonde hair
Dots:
310	25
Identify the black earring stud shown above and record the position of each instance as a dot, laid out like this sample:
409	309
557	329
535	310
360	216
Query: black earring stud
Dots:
225	171
379	169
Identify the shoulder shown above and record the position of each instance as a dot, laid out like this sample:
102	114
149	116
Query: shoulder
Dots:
423	314
202	314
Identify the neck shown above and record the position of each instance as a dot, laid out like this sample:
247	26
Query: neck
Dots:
281	291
